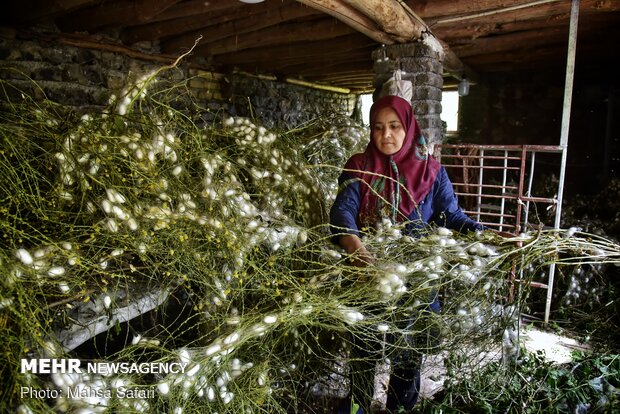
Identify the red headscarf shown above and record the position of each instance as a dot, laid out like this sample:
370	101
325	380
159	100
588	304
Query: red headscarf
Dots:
398	181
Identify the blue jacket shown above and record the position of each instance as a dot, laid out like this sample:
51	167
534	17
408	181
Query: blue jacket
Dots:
440	207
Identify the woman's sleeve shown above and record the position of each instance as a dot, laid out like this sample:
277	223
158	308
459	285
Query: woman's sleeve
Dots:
446	208
344	211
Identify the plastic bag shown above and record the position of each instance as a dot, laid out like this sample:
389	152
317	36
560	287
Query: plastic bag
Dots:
396	86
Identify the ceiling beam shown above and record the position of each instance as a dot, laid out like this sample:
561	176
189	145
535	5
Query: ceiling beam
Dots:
281	34
122	13
27	12
246	24
351	17
391	17
448	12
351	42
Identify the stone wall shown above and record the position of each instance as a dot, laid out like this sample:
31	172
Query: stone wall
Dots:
279	104
86	79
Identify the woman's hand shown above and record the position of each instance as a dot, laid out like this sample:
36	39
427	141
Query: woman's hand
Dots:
358	254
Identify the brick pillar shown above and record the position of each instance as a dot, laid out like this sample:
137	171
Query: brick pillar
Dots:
421	65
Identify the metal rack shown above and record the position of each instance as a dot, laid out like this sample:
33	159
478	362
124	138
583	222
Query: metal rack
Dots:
496	184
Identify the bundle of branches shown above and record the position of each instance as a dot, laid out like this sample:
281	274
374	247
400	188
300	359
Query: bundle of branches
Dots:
108	215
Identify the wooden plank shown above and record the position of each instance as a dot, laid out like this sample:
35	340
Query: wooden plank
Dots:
121	13
239	26
197	7
532	18
352	42
439	12
511	41
28	12
351	17
431	10
391	17
317	30
549	55
191	25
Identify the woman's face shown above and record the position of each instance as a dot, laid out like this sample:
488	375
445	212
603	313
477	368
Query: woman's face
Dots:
388	133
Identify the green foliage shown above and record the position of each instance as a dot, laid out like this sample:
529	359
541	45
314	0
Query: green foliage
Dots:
533	385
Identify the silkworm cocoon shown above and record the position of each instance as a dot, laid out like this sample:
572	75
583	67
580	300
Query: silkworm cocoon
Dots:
210	393
393	278
24	256
270	319
442	231
231	339
213	349
227	397
193	371
112	225
262	378
382	327
106	205
56	271
163	388
177	170
107	301
386	289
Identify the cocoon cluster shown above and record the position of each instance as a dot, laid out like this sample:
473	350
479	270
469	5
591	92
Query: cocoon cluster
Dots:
392	283
350	315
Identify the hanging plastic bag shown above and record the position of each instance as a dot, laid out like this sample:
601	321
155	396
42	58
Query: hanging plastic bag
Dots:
396	86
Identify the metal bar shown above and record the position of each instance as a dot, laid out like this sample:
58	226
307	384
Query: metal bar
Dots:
486	167
521	178
515	147
568	95
529	189
488	157
508	187
503	202
507	197
488	224
540	200
480	180
488	213
514	197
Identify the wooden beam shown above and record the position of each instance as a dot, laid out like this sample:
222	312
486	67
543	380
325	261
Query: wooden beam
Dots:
391	17
191	25
318	30
512	41
351	42
551	55
121	13
448	12
351	17
189	8
239	26
28	12
431	10
467	30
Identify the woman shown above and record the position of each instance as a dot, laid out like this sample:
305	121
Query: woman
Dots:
394	178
